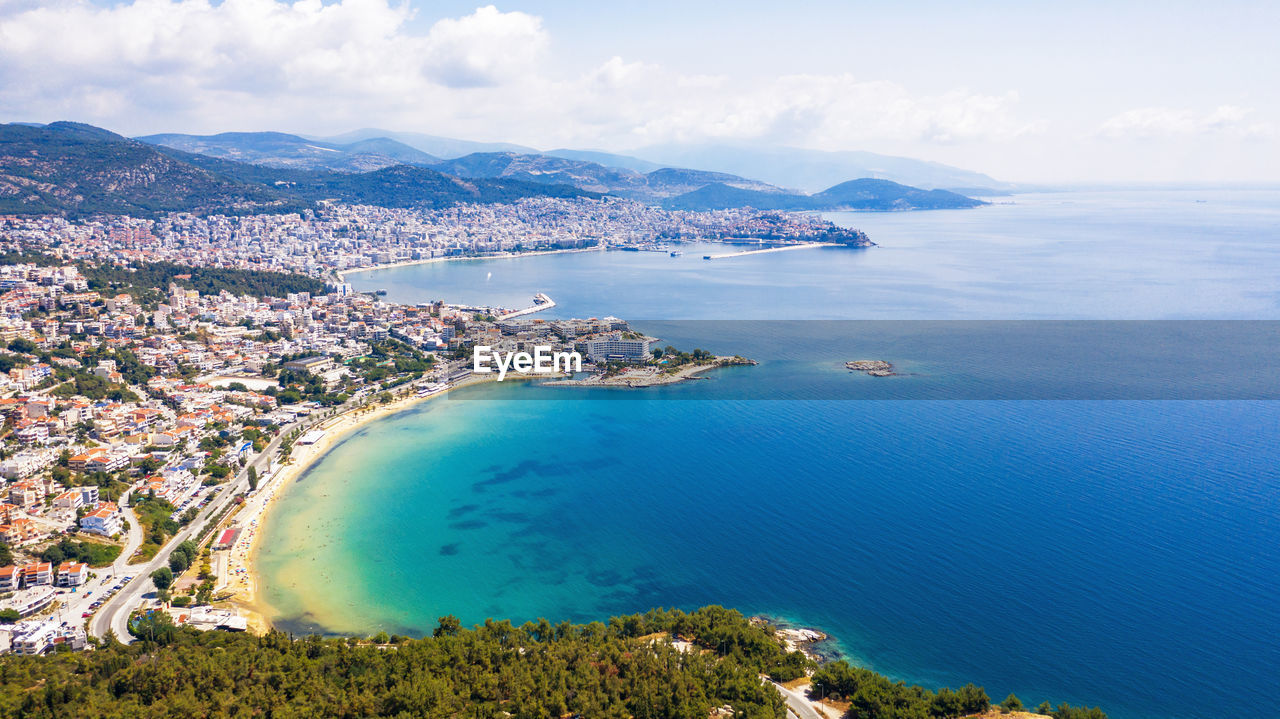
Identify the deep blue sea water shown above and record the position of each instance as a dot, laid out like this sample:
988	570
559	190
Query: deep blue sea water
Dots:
1119	553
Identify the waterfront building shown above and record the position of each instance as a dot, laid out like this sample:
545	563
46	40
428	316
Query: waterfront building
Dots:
617	347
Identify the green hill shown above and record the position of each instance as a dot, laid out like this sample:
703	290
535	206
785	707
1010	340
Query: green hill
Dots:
75	170
78	170
624	668
870	194
865	194
278	149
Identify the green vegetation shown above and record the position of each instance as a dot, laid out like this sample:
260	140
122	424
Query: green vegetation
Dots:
90	386
154	515
620	669
1011	703
78	170
146	277
183	556
93	554
537	670
862	194
1066	711
162	578
675	358
205	280
874	696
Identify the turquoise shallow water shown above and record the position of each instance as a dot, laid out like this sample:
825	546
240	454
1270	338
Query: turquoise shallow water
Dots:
1122	553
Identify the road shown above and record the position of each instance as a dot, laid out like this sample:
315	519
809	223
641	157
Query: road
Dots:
799	705
114	615
77	603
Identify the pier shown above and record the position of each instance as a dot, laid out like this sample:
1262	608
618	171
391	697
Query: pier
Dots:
540	302
784	248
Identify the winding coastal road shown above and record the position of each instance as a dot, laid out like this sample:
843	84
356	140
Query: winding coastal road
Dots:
798	704
114	615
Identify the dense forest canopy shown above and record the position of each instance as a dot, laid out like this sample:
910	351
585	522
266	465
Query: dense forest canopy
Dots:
624	668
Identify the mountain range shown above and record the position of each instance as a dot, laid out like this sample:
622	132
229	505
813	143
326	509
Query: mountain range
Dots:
813	170
278	149
75	169
802	169
864	194
589	170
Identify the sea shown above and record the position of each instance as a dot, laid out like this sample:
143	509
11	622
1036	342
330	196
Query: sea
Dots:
1071	490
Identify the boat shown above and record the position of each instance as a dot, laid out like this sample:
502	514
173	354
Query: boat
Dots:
677	253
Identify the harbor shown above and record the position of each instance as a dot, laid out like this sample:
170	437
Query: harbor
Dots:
541	301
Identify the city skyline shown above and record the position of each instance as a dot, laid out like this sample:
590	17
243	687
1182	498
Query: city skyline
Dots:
1108	94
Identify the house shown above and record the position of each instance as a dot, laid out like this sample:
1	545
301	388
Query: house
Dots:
104	520
17	532
70	499
29	432
26	463
103	462
88	495
72	574
37	637
37	574
80	461
10	579
26	494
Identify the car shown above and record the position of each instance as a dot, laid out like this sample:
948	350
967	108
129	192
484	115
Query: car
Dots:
86	614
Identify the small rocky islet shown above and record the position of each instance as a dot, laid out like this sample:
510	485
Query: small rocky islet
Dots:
874	368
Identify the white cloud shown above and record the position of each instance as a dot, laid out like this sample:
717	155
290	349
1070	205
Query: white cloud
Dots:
306	66
1166	122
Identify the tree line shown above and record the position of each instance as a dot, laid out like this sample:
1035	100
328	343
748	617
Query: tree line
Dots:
620	669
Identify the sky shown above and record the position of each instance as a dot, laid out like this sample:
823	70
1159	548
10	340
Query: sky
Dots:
1024	91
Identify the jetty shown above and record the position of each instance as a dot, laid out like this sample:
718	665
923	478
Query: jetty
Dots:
783	248
540	302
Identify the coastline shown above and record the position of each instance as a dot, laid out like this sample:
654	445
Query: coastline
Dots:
653	377
342	274
236	568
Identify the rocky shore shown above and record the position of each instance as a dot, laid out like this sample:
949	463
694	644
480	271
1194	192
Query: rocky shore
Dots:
874	368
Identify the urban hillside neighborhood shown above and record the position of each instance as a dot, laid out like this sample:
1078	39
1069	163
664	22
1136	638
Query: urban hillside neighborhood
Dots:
157	372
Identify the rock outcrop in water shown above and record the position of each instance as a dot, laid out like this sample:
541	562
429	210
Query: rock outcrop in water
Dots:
875	368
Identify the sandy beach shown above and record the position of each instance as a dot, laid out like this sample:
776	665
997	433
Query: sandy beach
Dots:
235	566
342	275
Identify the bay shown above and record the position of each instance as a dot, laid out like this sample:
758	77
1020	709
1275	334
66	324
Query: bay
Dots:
1120	553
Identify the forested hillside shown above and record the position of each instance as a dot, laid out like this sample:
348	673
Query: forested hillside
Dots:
626	668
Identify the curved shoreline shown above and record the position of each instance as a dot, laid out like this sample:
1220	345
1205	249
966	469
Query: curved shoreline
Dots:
342	274
253	515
